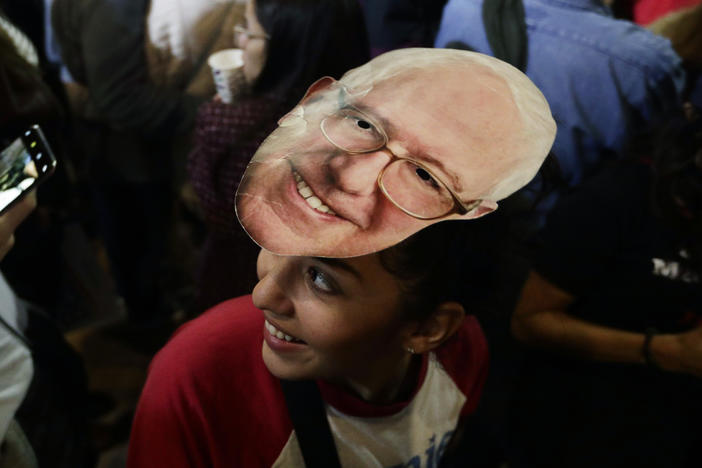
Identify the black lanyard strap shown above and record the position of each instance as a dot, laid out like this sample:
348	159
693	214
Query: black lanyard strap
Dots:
309	418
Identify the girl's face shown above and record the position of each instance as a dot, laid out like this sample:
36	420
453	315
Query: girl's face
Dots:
334	319
253	43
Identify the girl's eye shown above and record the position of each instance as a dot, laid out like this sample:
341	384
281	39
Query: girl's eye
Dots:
321	281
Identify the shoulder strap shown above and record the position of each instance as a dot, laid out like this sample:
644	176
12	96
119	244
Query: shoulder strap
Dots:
505	27
309	419
16	333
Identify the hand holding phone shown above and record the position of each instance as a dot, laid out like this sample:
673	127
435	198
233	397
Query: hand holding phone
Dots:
24	164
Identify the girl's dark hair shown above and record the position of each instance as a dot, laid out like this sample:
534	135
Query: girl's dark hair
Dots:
309	39
447	261
676	189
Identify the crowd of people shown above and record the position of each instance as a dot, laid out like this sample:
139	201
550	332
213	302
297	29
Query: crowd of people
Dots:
418	233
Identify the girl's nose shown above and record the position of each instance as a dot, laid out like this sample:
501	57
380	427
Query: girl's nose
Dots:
268	293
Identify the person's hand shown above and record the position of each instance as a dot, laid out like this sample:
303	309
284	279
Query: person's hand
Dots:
238	87
680	352
691	351
11	219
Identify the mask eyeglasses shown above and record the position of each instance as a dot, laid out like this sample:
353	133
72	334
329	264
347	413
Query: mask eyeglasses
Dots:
242	32
409	184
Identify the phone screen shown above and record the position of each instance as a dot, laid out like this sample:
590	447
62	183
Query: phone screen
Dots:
18	172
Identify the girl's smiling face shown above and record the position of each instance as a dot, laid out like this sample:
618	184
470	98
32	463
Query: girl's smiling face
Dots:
342	318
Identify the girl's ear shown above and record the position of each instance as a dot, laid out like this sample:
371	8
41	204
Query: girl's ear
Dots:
441	325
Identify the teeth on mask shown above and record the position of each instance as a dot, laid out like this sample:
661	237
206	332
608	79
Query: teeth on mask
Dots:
314	202
306	192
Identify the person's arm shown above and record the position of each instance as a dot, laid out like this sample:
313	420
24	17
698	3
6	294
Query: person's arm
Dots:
649	91
16	372
168	425
540	319
15	359
159	436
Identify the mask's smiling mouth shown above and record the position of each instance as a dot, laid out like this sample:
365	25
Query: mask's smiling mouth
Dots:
309	196
281	335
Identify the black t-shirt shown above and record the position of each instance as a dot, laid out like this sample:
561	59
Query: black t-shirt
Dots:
603	245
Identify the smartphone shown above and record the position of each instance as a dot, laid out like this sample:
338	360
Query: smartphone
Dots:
24	164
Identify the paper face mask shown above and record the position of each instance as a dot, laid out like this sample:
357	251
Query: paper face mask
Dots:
413	137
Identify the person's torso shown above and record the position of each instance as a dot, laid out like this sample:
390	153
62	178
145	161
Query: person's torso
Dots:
594	71
234	412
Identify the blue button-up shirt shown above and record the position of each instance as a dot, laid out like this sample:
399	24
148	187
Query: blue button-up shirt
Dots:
605	79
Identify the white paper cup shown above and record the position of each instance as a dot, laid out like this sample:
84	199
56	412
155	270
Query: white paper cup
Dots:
225	64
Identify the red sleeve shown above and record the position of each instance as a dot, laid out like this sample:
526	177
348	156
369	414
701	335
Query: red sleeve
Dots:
170	425
465	358
167	429
647	11
209	400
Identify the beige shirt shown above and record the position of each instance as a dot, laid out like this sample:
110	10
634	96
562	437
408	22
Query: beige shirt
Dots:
16	369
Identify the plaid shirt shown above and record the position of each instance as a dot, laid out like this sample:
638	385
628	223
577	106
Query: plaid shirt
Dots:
226	138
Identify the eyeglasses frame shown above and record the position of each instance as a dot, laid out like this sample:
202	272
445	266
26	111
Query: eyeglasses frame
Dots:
240	29
459	206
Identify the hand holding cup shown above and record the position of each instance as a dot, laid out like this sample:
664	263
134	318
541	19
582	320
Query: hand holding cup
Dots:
227	73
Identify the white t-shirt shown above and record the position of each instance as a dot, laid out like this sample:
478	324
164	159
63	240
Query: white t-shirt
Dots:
16	369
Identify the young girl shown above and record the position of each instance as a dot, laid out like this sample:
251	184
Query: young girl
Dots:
384	336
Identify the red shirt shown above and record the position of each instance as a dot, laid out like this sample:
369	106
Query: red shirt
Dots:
209	401
647	11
